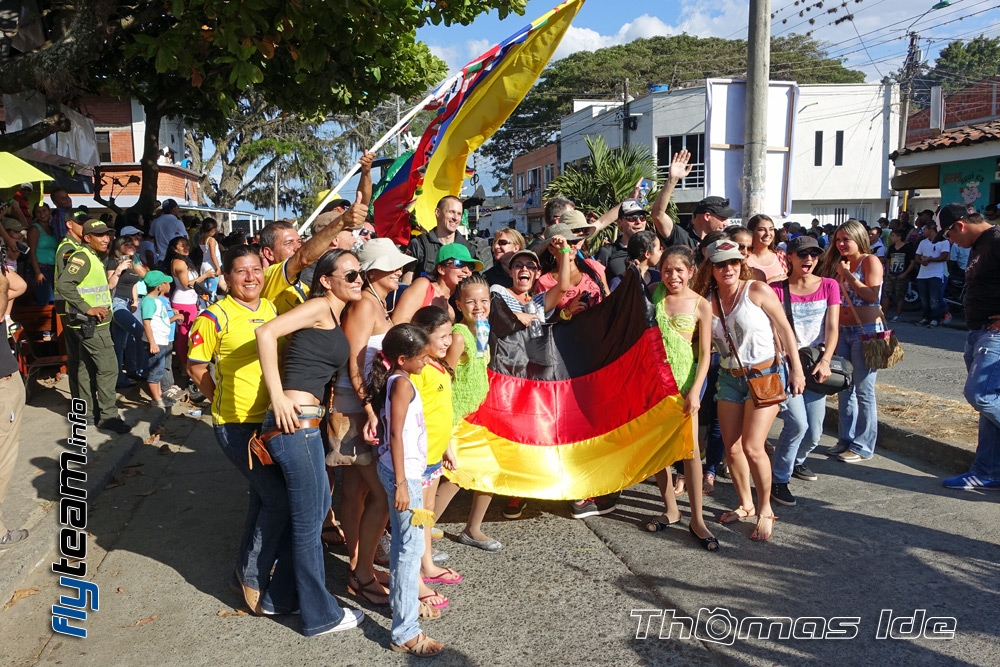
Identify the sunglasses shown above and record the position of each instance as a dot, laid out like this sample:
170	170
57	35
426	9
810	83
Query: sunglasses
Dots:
350	276
743	248
531	266
459	264
729	262
367	232
809	253
502	242
636	217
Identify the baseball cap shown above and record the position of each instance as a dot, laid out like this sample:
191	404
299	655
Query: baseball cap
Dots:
952	213
96	227
129	230
716	205
456	251
631	207
804	242
525	253
723	250
168	205
156	278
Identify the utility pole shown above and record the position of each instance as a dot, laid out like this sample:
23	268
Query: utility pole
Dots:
905	93
276	192
625	115
755	133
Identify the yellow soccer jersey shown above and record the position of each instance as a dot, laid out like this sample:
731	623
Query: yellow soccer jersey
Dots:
434	385
277	289
224	335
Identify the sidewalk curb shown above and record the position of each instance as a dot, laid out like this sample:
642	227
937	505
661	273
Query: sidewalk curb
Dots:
42	546
952	458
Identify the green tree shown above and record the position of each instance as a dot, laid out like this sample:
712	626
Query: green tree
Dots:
961	64
676	60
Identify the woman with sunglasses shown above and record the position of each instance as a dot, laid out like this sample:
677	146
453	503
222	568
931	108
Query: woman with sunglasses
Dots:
316	350
588	286
454	263
525	269
752	314
744	239
763	254
859	273
815	306
506	242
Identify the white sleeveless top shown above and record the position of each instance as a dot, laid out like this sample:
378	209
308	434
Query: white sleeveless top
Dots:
414	433
344	397
206	262
187	297
751	331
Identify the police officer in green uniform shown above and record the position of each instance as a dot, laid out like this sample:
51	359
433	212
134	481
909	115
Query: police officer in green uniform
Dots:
83	283
67	246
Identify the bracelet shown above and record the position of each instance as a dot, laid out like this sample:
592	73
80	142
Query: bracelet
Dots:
399	484
565	314
565	250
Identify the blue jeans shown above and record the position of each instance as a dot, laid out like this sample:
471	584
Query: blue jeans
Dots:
126	332
982	391
858	414
43	292
405	551
302	460
931	292
803	421
267	530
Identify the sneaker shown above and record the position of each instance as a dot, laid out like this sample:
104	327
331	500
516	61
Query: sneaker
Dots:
514	508
924	322
966	482
781	495
836	450
115	424
12	537
581	509
352	619
895	318
947	318
439	556
851	457
933	324
803	472
382	550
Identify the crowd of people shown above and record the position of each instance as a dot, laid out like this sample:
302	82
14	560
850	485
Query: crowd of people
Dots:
346	351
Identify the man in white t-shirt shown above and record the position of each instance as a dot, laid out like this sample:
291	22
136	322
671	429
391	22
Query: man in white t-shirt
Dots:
932	256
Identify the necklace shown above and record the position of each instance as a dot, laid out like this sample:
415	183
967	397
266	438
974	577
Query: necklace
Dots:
732	300
385	310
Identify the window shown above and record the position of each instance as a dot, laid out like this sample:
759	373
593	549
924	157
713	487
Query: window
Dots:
550	173
838	151
104	145
818	159
666	147
519	187
533	195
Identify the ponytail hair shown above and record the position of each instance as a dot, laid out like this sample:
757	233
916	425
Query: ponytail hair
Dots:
403	340
428	319
467	282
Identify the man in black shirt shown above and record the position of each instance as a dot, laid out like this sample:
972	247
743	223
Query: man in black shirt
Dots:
710	214
614	256
962	225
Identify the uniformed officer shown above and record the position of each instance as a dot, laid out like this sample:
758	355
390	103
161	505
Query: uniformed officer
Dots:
83	283
68	245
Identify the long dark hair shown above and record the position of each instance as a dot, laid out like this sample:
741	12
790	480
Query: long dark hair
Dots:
172	254
403	340
326	265
549	262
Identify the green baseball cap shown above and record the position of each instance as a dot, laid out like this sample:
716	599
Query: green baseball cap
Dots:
156	278
459	253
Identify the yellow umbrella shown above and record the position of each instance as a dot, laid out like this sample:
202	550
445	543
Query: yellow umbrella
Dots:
14	171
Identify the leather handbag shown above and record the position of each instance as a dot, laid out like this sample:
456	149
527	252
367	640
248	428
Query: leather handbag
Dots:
765	390
841	370
880	349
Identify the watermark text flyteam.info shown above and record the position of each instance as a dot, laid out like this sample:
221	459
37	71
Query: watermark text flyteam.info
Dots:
719	626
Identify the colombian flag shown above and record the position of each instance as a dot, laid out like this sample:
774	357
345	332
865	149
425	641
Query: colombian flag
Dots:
589	409
470	108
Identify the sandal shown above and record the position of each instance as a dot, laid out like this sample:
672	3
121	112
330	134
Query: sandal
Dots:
434	594
738	514
756	534
336	536
710	543
708	485
448	576
658	524
679	486
363	591
424	647
428	612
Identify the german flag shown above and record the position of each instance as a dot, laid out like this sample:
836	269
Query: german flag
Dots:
590	408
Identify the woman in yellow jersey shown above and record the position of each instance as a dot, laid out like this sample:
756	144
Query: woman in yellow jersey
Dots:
223	335
316	350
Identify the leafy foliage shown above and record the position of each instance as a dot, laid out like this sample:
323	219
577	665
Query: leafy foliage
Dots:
676	60
961	64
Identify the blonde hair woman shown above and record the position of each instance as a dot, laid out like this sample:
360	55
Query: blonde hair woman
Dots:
859	273
505	243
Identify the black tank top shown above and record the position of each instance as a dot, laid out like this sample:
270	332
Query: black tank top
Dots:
313	357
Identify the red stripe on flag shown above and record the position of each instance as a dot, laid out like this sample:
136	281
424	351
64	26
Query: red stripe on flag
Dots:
566	411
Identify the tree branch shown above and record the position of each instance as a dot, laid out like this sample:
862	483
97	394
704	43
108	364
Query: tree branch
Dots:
54	122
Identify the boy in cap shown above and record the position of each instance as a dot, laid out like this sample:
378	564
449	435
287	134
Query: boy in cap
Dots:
157	322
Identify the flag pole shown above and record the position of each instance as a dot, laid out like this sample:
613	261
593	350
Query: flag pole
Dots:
393	131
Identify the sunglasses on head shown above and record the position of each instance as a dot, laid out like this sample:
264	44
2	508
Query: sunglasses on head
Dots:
727	262
809	253
459	264
350	276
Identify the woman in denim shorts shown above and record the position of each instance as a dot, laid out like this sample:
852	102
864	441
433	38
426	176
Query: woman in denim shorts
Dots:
753	313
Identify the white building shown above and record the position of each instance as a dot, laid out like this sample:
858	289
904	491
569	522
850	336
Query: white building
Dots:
843	136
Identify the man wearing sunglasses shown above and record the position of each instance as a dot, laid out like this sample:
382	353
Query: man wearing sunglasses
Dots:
632	219
963	226
424	248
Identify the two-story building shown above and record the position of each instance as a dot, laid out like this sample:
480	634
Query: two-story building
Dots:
531	173
840	163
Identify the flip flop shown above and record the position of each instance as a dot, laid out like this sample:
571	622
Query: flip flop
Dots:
738	514
772	519
443	578
435	594
424	647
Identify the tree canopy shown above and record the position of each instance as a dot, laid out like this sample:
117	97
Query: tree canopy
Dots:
676	60
961	64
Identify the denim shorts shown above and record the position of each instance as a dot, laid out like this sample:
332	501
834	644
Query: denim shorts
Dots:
157	365
736	390
431	473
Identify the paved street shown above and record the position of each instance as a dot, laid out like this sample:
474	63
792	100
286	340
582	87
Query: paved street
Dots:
863	539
